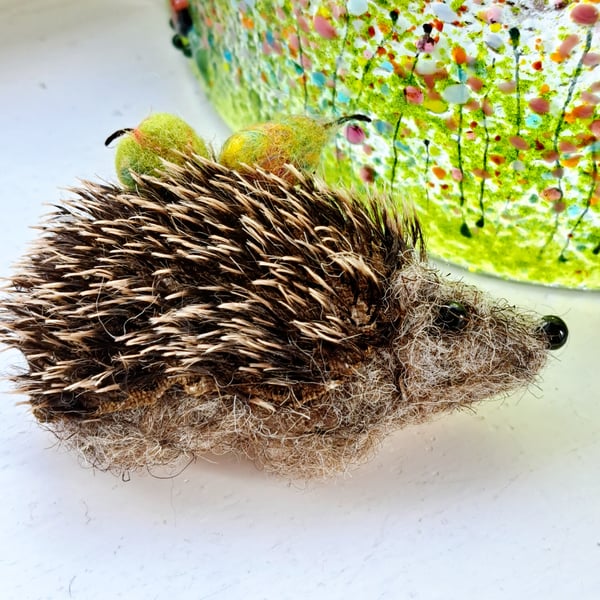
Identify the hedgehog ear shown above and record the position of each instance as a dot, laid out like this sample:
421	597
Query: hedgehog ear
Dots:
412	232
416	236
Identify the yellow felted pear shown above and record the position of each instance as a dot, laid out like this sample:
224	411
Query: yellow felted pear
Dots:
295	140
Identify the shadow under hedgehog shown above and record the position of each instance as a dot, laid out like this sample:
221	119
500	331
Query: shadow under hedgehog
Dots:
211	310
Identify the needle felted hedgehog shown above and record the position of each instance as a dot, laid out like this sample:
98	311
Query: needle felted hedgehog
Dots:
211	310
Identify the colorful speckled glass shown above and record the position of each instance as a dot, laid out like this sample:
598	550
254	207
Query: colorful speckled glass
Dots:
485	114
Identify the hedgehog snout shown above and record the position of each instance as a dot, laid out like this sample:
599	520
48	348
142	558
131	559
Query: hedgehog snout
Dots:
555	330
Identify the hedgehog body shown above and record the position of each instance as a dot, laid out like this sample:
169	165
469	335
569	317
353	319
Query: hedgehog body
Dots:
212	311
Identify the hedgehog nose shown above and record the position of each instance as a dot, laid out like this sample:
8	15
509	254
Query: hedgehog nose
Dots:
555	330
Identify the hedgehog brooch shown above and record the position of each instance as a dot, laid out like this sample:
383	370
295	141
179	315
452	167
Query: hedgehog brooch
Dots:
243	306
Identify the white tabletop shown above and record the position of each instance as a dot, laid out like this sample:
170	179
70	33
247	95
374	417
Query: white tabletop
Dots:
501	503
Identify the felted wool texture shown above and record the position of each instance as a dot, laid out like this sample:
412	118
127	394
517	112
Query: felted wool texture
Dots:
161	136
293	140
211	310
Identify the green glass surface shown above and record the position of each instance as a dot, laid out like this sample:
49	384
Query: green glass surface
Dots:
485	114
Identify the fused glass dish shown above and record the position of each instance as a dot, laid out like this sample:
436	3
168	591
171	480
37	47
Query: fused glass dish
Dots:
485	114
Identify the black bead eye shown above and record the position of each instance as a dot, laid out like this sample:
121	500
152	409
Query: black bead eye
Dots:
452	317
555	330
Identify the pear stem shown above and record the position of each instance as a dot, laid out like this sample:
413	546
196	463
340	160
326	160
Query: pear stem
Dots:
113	136
345	119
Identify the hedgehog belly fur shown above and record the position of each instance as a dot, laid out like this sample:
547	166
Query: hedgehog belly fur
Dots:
339	428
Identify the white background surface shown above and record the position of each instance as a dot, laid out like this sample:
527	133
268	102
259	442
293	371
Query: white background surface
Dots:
503	503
